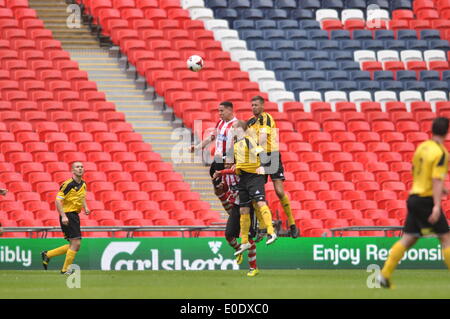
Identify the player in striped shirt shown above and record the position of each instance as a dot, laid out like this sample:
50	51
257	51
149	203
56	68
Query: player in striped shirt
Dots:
223	136
230	199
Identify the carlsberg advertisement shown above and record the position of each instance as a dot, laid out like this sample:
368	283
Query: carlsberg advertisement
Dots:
154	254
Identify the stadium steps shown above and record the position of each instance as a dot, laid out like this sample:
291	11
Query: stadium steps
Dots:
55	16
145	114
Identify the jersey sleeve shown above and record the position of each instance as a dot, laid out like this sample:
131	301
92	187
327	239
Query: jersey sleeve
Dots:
439	166
62	191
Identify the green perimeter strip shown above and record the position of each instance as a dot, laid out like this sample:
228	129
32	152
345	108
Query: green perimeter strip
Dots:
214	253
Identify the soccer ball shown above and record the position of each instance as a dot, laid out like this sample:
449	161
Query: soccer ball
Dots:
195	63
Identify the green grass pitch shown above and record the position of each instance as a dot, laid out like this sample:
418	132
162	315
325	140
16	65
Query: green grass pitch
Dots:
285	284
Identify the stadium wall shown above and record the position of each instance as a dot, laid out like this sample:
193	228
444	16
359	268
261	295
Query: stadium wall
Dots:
215	254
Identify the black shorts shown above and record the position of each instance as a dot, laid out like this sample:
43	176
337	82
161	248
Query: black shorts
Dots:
419	209
216	166
273	165
73	230
251	188
233	227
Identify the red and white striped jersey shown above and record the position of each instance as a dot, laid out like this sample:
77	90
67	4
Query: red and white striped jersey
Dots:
231	194
224	137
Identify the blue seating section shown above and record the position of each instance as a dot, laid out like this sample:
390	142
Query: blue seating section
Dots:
285	35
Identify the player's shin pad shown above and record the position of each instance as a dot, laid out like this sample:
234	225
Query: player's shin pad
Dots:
396	254
267	217
261	223
245	227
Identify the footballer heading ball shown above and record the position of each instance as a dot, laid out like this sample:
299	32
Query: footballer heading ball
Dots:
195	63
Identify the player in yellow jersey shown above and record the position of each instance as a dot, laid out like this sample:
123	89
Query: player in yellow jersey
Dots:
70	199
425	215
263	129
251	184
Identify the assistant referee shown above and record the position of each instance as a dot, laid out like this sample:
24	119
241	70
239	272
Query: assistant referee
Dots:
70	199
425	215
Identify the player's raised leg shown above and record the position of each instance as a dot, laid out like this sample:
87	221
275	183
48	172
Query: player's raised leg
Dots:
395	255
252	260
232	231
267	217
284	200
47	255
262	228
245	223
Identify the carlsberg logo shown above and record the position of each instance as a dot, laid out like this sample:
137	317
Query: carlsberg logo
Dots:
154	262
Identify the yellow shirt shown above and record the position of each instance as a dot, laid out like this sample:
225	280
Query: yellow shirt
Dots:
430	162
264	124
72	195
246	157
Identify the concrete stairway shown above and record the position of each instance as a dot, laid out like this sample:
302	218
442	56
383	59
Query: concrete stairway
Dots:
145	113
55	16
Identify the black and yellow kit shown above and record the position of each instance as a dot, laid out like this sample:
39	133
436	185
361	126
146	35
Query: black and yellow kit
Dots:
251	185
233	228
271	157
72	195
430	161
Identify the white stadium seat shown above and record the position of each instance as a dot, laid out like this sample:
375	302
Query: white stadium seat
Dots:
411	55
326	14
223	35
281	97
434	55
269	86
202	14
364	55
234	45
192	4
259	76
242	56
387	55
374	13
358	97
435	96
216	24
410	96
307	97
334	97
385	96
352	14
249	66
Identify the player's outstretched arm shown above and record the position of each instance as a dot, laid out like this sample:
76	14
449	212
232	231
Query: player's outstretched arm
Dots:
202	144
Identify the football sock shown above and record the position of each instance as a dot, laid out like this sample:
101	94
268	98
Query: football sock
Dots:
261	224
446	254
245	227
252	255
233	243
395	255
57	251
267	217
287	209
70	256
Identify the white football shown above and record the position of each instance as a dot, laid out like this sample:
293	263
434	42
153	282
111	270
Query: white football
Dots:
195	63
